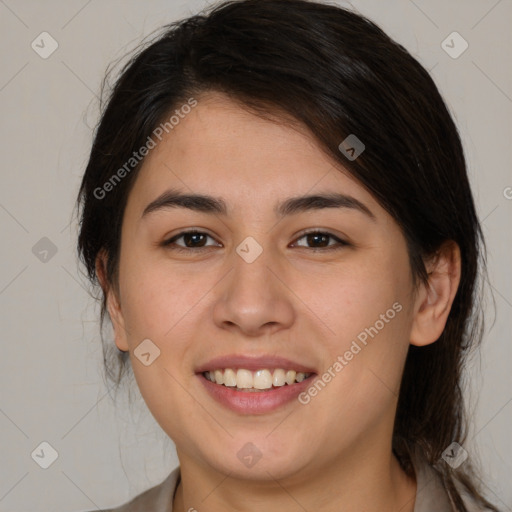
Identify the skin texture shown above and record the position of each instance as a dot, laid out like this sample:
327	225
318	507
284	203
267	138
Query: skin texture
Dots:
333	453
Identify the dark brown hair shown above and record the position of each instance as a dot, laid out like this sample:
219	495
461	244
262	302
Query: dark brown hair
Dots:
338	74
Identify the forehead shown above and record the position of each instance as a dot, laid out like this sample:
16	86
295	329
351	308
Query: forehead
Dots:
221	149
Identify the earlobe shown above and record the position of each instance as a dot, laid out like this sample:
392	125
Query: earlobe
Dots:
112	303
435	299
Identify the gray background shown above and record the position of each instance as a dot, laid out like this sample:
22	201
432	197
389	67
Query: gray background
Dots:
51	364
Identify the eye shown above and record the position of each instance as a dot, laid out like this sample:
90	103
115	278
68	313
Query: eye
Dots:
195	240
321	241
192	239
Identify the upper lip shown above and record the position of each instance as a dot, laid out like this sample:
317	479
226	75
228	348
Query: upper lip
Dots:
252	363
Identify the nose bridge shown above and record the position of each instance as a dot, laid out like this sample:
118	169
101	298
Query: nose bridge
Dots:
253	299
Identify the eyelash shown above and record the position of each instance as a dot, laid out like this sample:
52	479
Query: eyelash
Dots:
169	244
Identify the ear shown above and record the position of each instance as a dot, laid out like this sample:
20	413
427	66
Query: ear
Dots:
434	301
113	302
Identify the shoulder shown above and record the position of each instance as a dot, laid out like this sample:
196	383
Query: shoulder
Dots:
468	500
430	491
157	499
432	495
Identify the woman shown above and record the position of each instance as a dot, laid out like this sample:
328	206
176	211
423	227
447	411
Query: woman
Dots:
277	209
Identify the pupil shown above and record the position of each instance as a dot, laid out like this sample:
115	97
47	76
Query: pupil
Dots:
189	236
313	236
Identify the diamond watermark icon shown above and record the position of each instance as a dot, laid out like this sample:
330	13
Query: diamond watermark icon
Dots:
44	45
44	250
249	455
352	147
454	45
45	455
454	455
249	249
146	352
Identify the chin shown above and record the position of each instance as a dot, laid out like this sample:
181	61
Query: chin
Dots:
258	458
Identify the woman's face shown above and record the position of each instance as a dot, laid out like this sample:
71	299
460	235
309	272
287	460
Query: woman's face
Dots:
252	291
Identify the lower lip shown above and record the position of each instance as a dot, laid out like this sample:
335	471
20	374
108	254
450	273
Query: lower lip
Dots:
255	402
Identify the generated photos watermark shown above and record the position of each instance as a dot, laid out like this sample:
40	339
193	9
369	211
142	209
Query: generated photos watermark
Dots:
355	348
138	156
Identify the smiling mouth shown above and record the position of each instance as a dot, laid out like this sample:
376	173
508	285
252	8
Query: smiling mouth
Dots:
261	380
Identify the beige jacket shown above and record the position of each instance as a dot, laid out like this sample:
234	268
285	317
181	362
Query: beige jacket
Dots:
430	495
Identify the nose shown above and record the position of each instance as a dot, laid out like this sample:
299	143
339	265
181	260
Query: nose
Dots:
253	299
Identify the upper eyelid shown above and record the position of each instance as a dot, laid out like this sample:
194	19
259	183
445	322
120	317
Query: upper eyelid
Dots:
187	232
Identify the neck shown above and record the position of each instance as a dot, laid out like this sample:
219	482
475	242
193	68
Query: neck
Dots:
371	482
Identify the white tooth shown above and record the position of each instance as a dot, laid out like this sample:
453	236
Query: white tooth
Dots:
262	379
279	377
290	377
229	377
244	379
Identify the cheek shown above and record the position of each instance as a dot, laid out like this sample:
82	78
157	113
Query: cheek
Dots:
157	299
365	308
352	297
159	305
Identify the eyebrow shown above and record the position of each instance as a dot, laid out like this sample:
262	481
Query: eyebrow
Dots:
216	205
